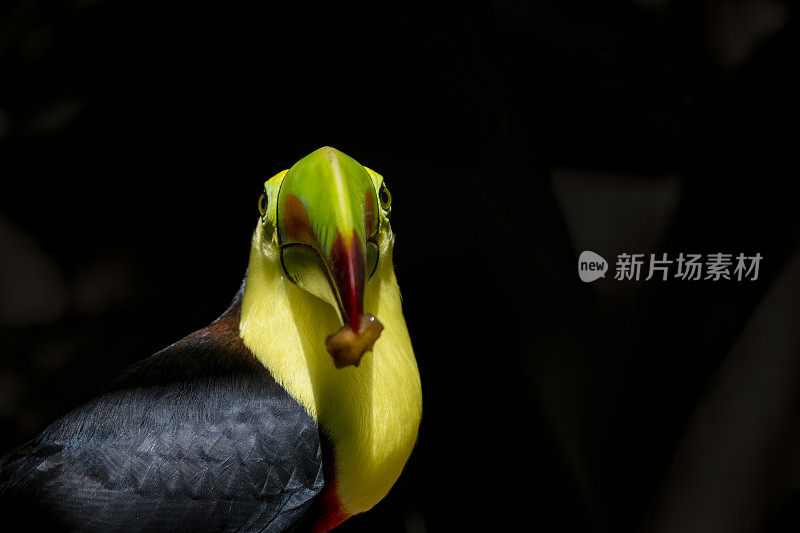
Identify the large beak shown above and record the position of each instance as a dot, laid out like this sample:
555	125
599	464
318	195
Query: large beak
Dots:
326	218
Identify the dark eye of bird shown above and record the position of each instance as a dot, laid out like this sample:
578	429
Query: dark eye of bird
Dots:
262	204
385	197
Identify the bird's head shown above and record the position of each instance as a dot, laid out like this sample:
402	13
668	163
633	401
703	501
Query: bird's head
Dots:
325	217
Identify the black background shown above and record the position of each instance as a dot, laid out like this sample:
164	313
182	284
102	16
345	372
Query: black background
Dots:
135	138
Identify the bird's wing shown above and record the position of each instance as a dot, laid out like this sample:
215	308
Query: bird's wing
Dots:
198	437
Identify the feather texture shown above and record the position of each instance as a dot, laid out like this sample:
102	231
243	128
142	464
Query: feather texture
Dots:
196	437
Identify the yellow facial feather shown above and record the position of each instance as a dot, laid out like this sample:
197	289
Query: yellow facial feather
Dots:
371	412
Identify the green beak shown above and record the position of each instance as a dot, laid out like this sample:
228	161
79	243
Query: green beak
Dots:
327	224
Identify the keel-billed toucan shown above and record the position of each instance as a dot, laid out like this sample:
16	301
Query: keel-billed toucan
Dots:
284	413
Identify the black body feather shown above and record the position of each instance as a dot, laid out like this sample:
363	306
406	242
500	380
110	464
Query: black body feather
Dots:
198	437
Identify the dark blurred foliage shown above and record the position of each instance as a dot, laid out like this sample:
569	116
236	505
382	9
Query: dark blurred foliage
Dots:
135	136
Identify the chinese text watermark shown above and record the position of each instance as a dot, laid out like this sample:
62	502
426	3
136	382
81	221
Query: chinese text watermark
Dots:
689	267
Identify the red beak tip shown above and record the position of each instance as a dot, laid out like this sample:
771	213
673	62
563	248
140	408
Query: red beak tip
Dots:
347	348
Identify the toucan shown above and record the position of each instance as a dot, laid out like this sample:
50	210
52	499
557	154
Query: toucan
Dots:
294	410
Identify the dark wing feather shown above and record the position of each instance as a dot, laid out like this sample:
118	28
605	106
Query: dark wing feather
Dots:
197	437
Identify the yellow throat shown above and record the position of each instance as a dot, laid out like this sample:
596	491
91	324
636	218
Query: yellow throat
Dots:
371	412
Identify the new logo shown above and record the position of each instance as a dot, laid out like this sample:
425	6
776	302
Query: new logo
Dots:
591	266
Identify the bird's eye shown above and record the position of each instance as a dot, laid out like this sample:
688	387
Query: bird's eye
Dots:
385	197
262	204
